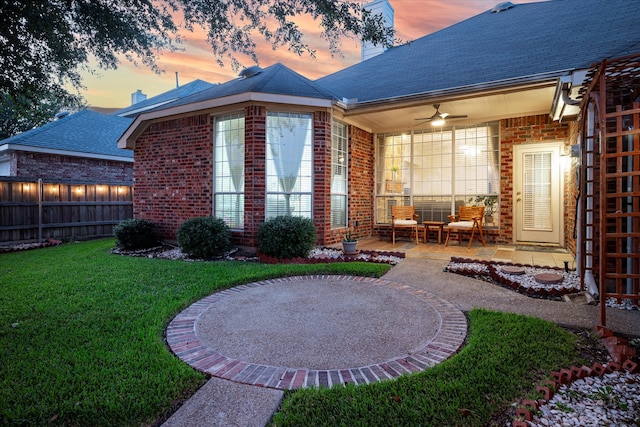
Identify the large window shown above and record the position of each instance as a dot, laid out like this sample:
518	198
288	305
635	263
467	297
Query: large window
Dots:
229	170
339	167
437	170
5	167
289	164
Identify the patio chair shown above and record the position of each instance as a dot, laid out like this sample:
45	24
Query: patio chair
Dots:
404	217
469	218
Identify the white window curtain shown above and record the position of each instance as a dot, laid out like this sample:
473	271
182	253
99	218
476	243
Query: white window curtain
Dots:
229	170
289	164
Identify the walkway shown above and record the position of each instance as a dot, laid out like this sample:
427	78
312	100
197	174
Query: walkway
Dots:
223	402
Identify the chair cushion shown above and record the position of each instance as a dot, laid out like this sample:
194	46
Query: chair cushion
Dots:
461	224
405	222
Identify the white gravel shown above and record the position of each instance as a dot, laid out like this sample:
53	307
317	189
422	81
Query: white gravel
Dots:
337	254
169	252
570	282
610	400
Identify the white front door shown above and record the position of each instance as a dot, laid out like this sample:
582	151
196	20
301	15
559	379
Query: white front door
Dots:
537	189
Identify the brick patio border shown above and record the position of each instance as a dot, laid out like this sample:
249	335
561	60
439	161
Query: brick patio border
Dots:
183	340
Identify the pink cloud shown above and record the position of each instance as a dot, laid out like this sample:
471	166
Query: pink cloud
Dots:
413	19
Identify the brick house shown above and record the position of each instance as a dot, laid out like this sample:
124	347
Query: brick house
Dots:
82	146
346	147
79	147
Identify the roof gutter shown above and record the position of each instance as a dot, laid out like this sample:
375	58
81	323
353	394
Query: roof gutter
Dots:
567	86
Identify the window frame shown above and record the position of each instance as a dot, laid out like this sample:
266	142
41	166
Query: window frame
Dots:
402	148
236	220
339	147
304	176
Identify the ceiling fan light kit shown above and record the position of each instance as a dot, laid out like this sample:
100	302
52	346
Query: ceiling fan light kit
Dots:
438	121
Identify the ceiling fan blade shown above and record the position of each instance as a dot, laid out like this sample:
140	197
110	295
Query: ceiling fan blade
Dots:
439	116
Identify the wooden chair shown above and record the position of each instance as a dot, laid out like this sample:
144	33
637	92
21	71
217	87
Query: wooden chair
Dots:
469	218
403	217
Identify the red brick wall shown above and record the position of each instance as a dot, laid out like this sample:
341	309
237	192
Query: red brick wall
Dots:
255	190
360	204
322	175
521	130
361	180
52	166
174	164
571	191
173	172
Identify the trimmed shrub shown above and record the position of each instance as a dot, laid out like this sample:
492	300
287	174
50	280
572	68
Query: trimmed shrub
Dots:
204	237
135	234
287	237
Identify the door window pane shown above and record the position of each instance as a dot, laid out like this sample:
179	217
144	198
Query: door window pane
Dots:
536	194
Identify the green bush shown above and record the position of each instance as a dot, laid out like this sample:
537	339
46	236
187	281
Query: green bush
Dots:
287	237
204	237
135	234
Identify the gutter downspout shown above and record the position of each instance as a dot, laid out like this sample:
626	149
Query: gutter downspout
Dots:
589	280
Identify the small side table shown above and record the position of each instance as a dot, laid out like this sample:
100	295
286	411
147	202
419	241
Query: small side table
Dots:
433	225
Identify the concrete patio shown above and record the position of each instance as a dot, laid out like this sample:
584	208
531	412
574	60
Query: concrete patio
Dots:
550	256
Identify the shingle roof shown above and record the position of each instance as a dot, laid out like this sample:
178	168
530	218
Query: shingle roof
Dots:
526	40
171	95
276	79
85	131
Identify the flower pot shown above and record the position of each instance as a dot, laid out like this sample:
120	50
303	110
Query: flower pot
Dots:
349	247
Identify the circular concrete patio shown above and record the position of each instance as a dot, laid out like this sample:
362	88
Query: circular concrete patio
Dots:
316	331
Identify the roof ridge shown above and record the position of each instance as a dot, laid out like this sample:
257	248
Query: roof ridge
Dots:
305	80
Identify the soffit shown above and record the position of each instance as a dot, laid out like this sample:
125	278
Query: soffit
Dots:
479	108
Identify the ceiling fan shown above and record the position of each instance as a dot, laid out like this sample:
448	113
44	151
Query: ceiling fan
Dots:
438	118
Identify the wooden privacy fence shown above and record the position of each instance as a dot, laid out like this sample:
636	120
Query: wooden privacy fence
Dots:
36	210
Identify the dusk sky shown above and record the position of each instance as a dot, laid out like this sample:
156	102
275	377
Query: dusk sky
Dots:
413	19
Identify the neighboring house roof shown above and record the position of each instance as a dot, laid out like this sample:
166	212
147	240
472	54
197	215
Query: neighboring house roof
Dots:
90	133
85	133
164	98
494	49
276	79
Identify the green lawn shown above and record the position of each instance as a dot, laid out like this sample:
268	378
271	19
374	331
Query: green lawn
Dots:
505	356
81	330
81	343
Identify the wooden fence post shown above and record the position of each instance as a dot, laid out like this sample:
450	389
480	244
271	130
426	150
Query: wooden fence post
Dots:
40	192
